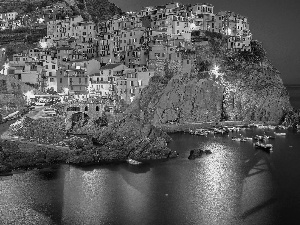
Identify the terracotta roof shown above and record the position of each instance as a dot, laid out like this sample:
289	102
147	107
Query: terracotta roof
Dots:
110	66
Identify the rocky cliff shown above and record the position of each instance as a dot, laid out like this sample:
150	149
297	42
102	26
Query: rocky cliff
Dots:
222	85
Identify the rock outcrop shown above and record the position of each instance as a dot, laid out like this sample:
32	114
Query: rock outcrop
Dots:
198	153
189	100
244	87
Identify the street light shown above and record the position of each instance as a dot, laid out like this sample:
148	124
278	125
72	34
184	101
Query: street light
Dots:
43	44
41	20
215	71
66	91
5	68
229	31
29	95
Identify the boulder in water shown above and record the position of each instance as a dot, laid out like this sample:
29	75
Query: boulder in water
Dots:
198	153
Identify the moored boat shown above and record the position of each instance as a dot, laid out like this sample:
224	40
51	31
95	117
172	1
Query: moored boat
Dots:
236	139
266	147
133	162
280	134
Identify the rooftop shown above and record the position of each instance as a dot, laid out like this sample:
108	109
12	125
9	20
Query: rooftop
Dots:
110	66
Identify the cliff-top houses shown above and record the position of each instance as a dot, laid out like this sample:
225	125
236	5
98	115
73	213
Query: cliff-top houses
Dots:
113	57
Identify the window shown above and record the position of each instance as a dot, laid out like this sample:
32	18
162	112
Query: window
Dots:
60	80
97	108
85	80
53	67
46	66
79	80
86	108
50	74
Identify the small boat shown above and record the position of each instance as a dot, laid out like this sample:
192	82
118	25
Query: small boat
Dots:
271	137
220	131
236	139
260	138
280	134
248	138
281	127
133	162
266	147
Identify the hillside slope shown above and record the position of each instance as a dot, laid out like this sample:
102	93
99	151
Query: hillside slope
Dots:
97	10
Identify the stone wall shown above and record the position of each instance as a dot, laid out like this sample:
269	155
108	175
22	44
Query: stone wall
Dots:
93	110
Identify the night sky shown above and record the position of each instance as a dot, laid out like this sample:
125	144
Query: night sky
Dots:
276	23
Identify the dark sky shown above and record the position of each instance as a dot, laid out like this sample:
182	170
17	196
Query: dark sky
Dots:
276	23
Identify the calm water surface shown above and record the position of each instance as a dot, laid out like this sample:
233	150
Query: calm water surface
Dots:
235	185
294	92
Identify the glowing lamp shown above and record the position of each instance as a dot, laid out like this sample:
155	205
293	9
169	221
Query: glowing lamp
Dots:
192	26
43	44
66	91
29	95
216	68
6	66
41	20
215	71
229	31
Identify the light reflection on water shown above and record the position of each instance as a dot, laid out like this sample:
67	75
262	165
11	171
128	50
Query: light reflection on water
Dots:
234	185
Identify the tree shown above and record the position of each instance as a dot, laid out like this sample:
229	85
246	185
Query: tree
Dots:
51	91
256	55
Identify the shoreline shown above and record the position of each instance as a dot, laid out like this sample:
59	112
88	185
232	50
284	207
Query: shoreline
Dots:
186	127
65	153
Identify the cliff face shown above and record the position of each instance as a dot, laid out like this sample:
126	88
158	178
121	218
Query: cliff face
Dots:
189	100
257	94
246	87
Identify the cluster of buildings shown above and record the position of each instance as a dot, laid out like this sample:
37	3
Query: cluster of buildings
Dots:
35	19
113	58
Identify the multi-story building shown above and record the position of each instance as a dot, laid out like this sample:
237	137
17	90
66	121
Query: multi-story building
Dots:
76	81
8	16
235	26
130	84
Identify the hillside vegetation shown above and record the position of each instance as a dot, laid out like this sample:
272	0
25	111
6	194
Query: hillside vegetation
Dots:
97	10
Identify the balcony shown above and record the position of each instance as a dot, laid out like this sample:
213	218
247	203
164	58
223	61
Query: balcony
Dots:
99	82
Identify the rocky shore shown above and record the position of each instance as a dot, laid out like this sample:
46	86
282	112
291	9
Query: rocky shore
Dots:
130	138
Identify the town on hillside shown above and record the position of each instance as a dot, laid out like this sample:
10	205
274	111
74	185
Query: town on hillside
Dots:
113	58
